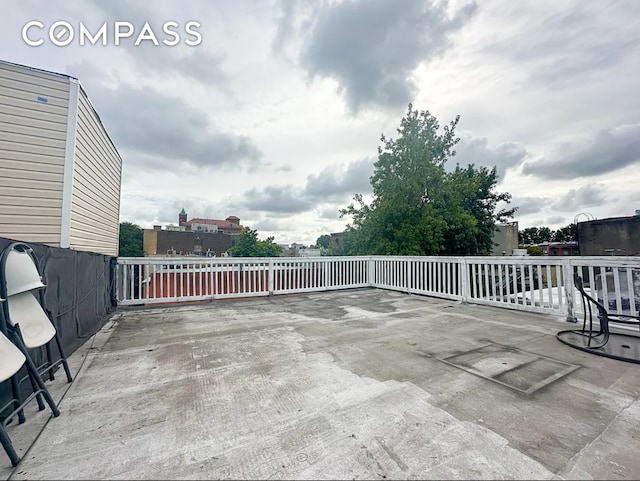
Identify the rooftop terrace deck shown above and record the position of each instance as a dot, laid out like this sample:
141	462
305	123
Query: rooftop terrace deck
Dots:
351	384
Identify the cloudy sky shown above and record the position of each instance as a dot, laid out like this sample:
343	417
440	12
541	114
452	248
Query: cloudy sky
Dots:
276	115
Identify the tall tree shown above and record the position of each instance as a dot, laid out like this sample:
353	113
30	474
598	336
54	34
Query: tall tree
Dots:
131	240
419	208
250	246
323	241
568	233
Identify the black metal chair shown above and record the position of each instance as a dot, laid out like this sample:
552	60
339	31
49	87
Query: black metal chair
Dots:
596	336
22	287
14	356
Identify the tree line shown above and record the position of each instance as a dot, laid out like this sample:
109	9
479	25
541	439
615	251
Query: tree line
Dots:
537	235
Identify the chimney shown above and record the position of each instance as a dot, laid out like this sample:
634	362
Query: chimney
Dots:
157	227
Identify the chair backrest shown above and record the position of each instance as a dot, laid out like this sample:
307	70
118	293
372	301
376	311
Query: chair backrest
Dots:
20	270
21	285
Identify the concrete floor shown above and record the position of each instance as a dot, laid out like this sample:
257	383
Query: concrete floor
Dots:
338	385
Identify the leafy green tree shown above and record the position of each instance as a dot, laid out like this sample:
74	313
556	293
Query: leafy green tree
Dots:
419	208
568	233
535	251
131	240
537	235
250	246
323	241
529	236
545	234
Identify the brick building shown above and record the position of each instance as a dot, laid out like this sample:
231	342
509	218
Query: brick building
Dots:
195	237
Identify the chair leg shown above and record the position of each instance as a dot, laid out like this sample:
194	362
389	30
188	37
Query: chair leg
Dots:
52	377
34	374
35	388
17	399
8	447
64	359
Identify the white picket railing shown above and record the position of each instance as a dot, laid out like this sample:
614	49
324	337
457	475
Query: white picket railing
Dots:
539	284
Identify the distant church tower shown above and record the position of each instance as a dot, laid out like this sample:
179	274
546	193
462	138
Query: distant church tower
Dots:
182	218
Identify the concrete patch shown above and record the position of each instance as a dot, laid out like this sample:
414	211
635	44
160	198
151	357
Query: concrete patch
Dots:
514	368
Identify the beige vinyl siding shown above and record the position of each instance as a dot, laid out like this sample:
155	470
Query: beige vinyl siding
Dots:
32	153
95	205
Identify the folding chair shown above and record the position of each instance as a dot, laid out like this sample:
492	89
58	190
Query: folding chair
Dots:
24	307
13	358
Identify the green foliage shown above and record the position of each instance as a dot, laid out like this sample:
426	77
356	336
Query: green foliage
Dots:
250	246
131	240
535	251
537	235
418	207
323	241
339	244
568	233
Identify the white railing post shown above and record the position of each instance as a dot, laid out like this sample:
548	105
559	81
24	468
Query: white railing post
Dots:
271	277
463	276
370	271
567	276
325	274
407	262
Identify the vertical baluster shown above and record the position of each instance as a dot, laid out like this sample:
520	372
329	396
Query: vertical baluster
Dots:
539	285
632	295
616	287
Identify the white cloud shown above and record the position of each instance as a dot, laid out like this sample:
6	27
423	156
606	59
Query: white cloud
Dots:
276	117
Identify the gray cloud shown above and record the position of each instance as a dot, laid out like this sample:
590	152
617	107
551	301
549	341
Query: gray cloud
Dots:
370	48
196	63
163	132
527	205
556	219
280	199
576	43
476	150
607	151
330	213
576	199
333	182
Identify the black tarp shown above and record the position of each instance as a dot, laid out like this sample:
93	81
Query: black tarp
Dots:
79	297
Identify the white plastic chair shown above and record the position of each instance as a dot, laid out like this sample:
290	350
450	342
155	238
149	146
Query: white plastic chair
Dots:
24	310
12	359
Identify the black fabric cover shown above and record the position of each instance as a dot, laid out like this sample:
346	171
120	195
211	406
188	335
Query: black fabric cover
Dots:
79	297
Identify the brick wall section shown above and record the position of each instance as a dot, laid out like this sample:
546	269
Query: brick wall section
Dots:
159	242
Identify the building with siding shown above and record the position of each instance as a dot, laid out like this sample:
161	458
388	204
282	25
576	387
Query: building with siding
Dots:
59	170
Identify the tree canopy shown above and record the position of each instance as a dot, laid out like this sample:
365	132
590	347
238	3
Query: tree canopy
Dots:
131	240
323	241
537	235
420	208
250	246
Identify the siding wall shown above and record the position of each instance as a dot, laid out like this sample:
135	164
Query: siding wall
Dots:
95	205
32	153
